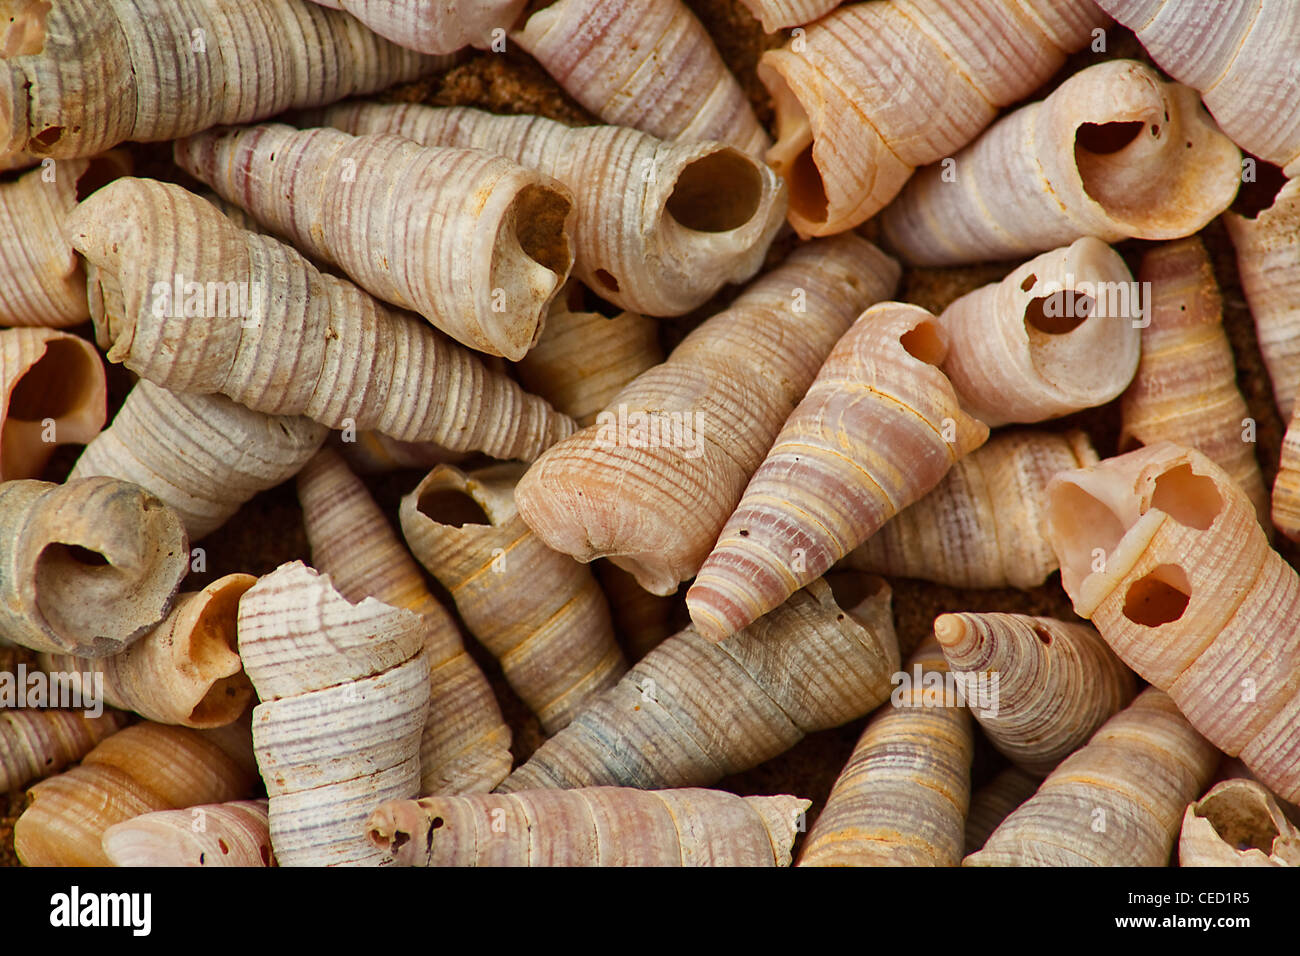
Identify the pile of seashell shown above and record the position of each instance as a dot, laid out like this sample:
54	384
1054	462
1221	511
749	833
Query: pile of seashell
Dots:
374	284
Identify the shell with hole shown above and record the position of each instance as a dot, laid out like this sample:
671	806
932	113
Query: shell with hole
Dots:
345	691
693	711
879	427
651	484
221	834
595	826
612	56
1059	334
436	26
87	567
475	243
1056	682
539	612
35	743
1241	56
143	768
874	90
982	526
1238	823
1112	152
901	799
1161	549
659	226
300	343
1185	390
1118	801
202	455
85	75
185	671
465	747
52	392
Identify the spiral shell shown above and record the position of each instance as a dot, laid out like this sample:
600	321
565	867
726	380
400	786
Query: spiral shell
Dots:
36	743
222	834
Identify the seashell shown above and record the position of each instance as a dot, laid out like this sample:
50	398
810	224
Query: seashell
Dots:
1268	262
434	26
93	74
1113	153
878	429
993	803
42	280
345	692
1058	335
52	392
584	359
642	620
595	826
87	567
540	613
202	455
1240	56
693	711
648	64
465	747
475	243
222	834
36	743
901	799
983	525
1162	550
185	671
874	90
374	453
1117	801
313	345
1057	682
1238	823
658	227
143	768
1185	390
1286	486
651	484
780	14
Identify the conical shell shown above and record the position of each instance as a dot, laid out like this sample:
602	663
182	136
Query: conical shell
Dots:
52	392
1238	823
88	567
1059	334
993	803
983	525
1113	153
475	243
143	768
1185	390
222	834
1268	262
345	692
1162	550
539	612
596	826
901	800
693	711
659	226
878	429
202	455
874	90
465	746
779	14
434	26
613	57
1241	56
185	671
651	484
93	74
1116	802
313	344
36	743
1056	682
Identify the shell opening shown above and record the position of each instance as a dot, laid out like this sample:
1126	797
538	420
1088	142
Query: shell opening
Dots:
540	214
717	193
73	585
1158	597
1245	826
452	507
214	650
1085	528
807	191
1064	317
924	343
1101	139
24	33
1190	499
60	382
792	155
